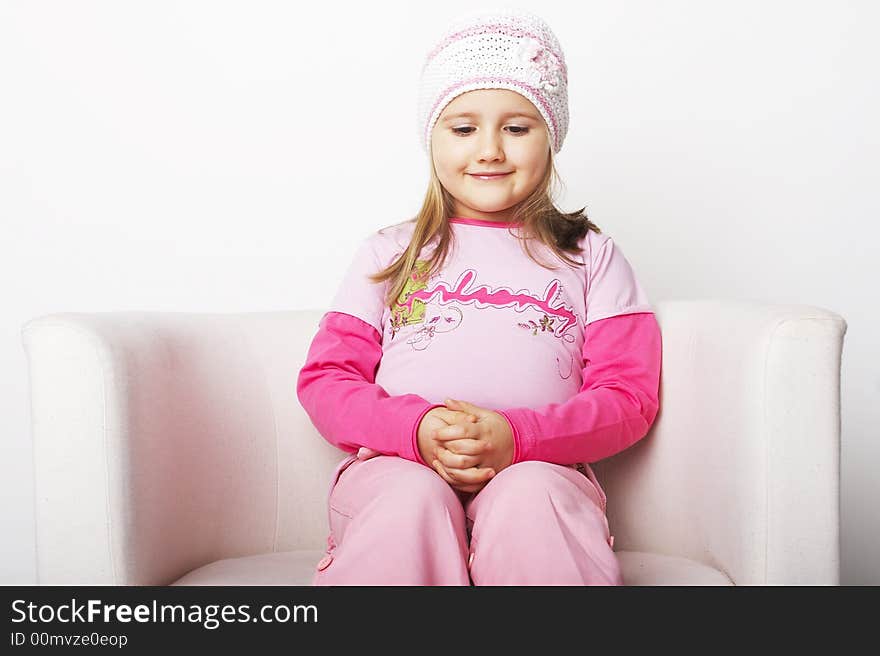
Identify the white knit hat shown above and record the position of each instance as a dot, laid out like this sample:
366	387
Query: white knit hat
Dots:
501	49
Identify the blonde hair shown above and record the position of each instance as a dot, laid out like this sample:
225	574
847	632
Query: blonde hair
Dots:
538	215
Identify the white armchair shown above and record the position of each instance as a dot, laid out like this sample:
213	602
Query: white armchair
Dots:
171	449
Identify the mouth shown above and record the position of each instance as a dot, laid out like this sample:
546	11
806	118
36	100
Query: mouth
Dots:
493	176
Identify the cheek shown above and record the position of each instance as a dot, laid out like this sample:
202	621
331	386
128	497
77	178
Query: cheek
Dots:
534	162
450	167
449	176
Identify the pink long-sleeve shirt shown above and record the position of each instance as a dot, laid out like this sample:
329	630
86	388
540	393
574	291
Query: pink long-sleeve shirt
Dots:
571	357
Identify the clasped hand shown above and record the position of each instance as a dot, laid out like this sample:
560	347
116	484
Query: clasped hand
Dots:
465	444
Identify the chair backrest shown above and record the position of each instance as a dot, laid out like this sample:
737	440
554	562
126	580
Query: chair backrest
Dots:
305	460
741	469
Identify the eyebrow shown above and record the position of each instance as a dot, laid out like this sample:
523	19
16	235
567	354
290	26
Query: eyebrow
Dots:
505	115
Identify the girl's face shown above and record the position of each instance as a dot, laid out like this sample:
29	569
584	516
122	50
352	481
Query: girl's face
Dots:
502	131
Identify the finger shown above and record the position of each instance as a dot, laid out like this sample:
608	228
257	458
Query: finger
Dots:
470	475
456	461
463	418
466	446
475	485
455	432
458	404
454	416
444	474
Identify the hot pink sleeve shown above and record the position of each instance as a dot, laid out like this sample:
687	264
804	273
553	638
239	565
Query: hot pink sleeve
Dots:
336	387
616	405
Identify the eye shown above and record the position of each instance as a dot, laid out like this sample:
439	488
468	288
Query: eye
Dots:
519	130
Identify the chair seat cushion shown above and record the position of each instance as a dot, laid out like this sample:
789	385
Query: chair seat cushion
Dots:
277	568
298	568
645	568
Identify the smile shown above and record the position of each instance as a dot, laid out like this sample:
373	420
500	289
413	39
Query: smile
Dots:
489	177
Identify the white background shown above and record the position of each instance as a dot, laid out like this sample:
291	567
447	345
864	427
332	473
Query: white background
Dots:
228	156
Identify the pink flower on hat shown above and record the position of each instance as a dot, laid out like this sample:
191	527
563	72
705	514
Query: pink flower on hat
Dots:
544	68
529	50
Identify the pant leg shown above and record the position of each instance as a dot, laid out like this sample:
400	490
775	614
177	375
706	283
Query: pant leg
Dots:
539	523
393	522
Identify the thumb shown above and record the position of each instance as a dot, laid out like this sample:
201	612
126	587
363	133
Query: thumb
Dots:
455	404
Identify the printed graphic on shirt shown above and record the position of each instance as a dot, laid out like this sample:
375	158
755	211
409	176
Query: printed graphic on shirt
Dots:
411	308
435	306
407	312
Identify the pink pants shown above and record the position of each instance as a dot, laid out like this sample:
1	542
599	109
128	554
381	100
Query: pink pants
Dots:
397	522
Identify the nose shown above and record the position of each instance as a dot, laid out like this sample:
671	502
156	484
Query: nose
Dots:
490	146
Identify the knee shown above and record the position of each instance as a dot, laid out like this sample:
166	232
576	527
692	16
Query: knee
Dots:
522	484
417	489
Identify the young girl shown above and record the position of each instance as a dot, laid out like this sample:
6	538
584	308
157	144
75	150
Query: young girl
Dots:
477	357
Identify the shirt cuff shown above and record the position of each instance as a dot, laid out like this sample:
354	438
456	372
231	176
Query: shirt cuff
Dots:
517	446
414	438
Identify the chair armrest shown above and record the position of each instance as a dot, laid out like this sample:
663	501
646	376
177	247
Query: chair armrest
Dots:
155	449
741	469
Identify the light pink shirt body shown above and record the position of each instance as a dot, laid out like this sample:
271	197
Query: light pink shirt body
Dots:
570	356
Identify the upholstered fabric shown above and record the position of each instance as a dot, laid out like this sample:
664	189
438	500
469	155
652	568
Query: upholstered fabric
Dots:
298	568
171	448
